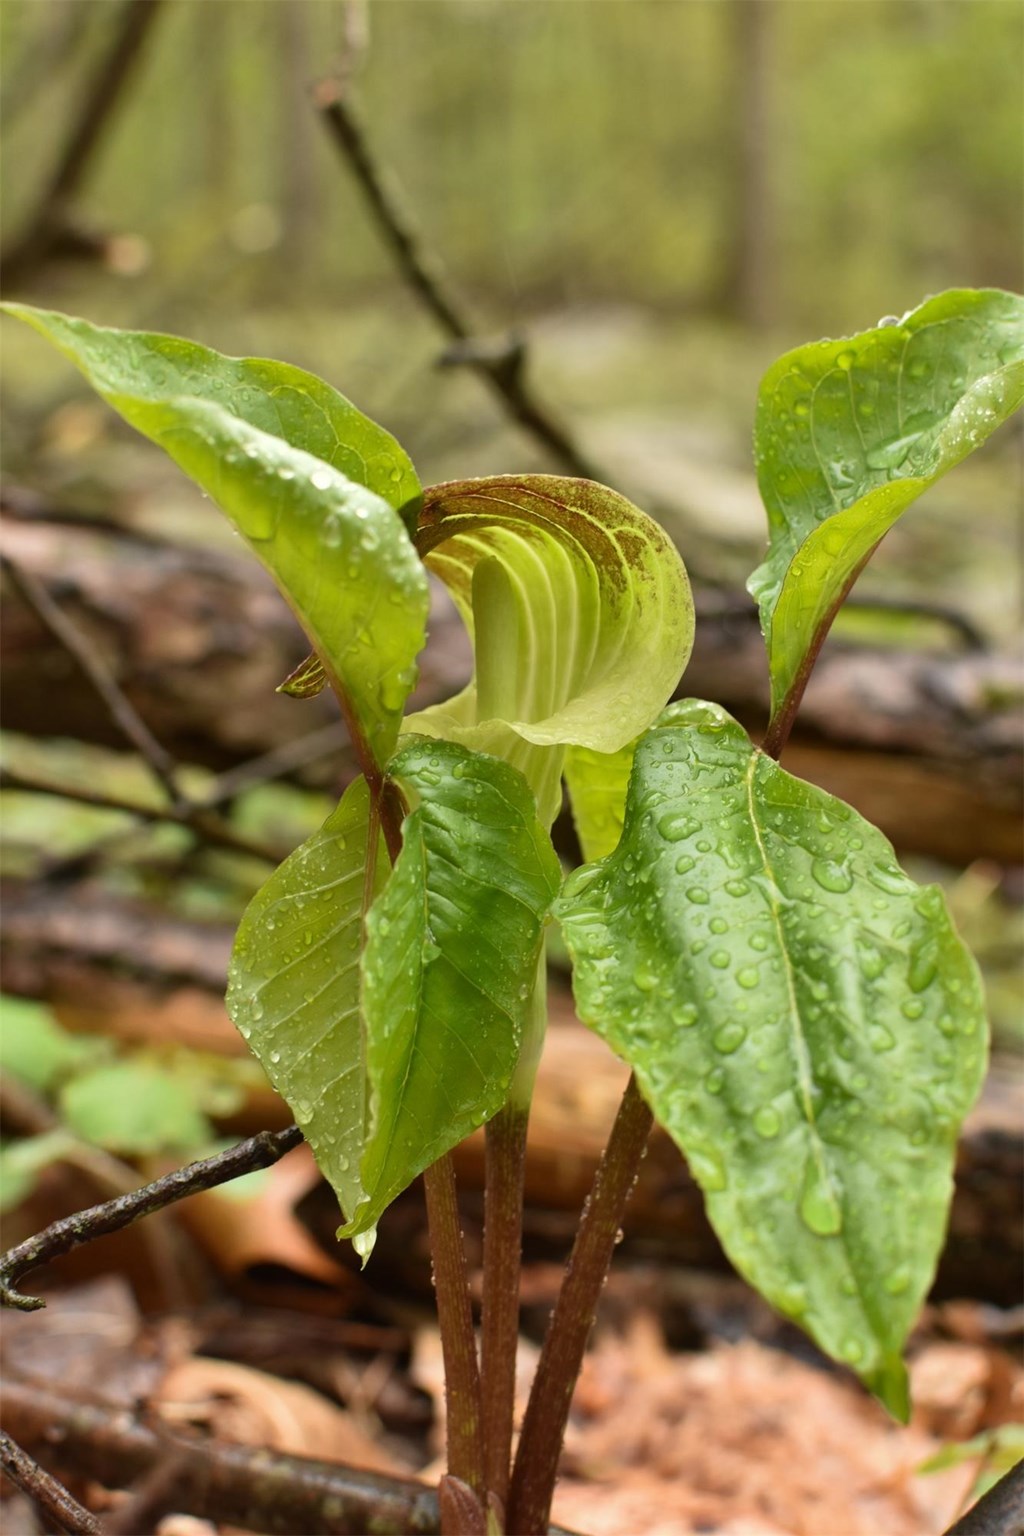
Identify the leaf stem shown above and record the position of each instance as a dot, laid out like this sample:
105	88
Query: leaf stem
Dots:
783	718
504	1171
547	1413
455	1317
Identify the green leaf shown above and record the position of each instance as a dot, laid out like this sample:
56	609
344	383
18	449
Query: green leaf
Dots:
34	1047
451	957
278	399
338	551
802	1019
848	433
293	985
133	1108
597	784
580	611
21	1163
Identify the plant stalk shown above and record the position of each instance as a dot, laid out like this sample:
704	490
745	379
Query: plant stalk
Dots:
547	1413
451	1277
455	1317
504	1171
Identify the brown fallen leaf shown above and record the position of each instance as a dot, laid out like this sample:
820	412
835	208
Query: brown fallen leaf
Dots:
242	1232
247	1407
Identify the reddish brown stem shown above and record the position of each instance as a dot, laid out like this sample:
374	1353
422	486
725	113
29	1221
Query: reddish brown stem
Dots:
547	1413
505	1166
455	1317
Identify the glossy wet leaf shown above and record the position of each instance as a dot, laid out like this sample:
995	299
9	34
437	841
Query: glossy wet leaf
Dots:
848	433
450	961
293	986
802	1018
338	551
580	611
283	401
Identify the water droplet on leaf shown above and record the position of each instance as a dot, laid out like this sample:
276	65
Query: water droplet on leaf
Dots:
832	875
819	1208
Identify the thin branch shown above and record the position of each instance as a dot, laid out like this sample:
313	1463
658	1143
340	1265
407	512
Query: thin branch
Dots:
50	229
78	646
503	368
45	1491
259	1151
999	1512
547	1412
207	826
279	763
199	818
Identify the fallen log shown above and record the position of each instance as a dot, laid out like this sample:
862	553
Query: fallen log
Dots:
238	1485
929	746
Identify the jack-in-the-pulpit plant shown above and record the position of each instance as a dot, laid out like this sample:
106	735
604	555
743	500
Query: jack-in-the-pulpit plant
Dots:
798	1014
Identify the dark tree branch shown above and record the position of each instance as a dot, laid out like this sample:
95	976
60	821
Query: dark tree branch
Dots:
235	1485
501	367
61	1237
50	228
231	1484
999	1512
45	1491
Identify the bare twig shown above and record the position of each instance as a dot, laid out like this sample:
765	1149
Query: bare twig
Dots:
78	646
502	367
999	1512
45	1491
61	1237
200	819
211	828
278	763
50	231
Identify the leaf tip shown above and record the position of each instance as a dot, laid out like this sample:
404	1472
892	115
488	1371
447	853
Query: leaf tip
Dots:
891	1385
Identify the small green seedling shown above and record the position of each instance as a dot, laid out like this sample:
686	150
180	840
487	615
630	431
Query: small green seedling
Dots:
798	1014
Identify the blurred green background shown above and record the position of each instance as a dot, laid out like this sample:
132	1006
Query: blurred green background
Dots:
662	194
